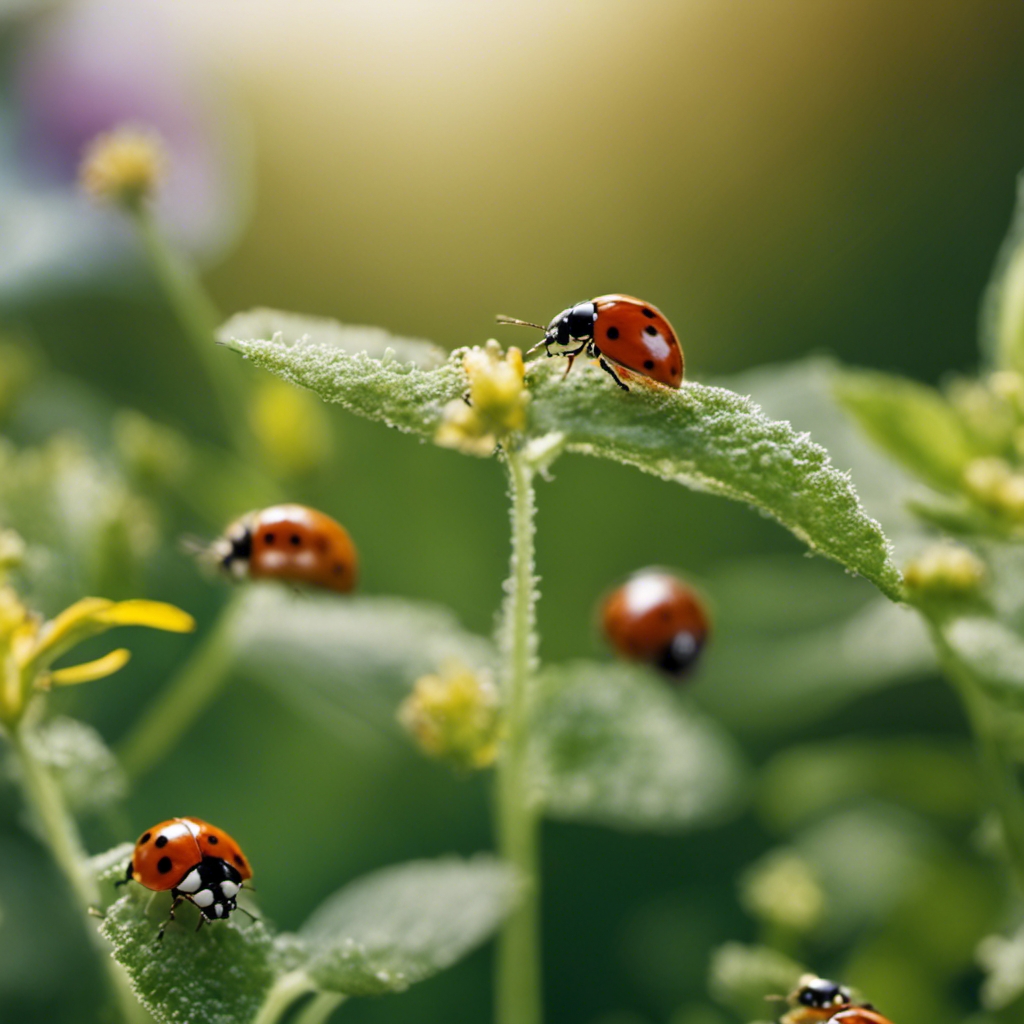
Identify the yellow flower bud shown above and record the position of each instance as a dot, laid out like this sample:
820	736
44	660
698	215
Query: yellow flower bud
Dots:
783	888
944	571
455	716
995	486
123	166
290	426
495	406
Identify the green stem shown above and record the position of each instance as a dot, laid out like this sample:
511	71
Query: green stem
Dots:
285	990
319	1008
198	318
61	836
184	698
518	966
1000	774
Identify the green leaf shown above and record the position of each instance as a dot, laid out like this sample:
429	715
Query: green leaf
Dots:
401	925
991	651
704	437
349	653
82	764
615	745
219	975
744	978
714	440
1002	310
776	680
404	382
913	423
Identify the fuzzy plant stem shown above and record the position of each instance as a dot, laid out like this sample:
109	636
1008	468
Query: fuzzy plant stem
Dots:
518	998
999	772
198	318
58	830
282	995
183	699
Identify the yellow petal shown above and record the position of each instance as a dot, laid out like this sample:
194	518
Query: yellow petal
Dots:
90	670
155	614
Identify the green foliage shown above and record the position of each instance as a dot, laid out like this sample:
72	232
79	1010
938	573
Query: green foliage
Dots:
1003	961
992	652
704	437
615	745
401	925
750	979
1002	312
912	422
378	935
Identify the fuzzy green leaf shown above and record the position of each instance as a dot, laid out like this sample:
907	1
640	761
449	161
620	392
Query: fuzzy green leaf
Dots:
1002	311
361	654
912	422
615	745
714	440
401	925
703	437
219	975
404	382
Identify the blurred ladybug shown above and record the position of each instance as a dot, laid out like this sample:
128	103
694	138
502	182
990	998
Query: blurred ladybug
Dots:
817	999
859	1015
195	861
657	618
619	332
292	543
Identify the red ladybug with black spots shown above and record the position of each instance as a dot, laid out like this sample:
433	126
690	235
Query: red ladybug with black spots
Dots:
292	543
195	861
620	332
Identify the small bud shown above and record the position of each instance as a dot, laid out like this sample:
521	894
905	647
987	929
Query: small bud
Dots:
455	716
495	406
944	571
123	166
782	888
994	485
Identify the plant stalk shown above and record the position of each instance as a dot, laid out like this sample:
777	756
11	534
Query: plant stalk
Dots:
43	795
1001	781
199	319
282	994
183	699
518	998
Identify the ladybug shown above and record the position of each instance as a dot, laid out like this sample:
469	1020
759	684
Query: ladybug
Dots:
657	618
620	332
195	861
818	999
859	1015
291	543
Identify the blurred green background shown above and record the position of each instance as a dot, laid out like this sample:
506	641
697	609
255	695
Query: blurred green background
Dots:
780	178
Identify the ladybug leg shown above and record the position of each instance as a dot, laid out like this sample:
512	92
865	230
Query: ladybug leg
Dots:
568	365
606	366
127	878
170	918
248	914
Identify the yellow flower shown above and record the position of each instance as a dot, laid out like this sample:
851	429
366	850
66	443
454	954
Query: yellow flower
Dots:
993	484
494	407
455	716
944	571
123	166
29	646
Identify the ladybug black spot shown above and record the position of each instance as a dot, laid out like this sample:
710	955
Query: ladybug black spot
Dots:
269	537
146	838
648	364
161	841
238	860
649	313
322	543
674	368
612	332
295	539
163	865
212	840
651	329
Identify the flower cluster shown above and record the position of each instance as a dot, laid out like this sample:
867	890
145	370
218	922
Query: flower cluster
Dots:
455	716
494	407
943	571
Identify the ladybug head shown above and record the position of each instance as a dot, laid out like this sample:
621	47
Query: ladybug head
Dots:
571	329
233	551
821	993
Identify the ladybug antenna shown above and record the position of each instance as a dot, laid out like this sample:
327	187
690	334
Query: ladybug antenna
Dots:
521	323
193	545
